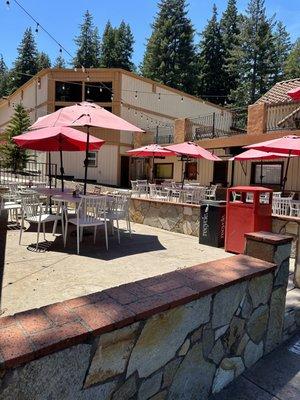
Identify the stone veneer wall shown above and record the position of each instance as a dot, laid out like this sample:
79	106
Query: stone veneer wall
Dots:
181	335
174	217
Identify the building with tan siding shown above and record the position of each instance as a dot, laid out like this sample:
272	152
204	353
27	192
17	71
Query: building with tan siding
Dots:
151	106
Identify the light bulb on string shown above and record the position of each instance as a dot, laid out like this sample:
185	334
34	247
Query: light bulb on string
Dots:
60	50
158	96
141	116
88	78
181	99
88	90
112	97
75	69
7	5
135	113
37	27
100	89
136	95
63	87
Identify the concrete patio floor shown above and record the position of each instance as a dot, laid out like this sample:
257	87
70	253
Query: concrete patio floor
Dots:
33	279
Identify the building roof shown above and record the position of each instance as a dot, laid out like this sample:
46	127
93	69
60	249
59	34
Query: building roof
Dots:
278	93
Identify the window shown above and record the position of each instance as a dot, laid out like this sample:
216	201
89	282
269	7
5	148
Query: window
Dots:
271	173
68	91
163	171
92	159
191	170
98	91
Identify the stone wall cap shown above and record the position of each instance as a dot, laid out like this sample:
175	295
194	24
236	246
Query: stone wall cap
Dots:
168	203
269	237
35	333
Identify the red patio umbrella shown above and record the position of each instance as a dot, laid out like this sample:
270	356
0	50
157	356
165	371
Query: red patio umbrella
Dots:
288	145
151	150
58	138
294	93
253	154
86	115
189	150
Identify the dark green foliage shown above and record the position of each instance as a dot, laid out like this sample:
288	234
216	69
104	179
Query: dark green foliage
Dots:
212	76
170	53
13	156
282	47
26	63
88	44
59	62
292	64
3	77
43	61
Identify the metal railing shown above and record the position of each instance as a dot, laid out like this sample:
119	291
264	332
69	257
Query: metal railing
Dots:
218	125
34	171
283	116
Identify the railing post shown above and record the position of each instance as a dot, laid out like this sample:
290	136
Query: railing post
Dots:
213	124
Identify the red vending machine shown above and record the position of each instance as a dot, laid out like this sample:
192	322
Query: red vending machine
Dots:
248	209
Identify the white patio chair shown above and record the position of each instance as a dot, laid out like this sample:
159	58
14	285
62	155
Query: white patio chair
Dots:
281	206
12	207
119	210
32	211
210	193
277	195
91	212
142	188
134	188
97	190
198	195
295	208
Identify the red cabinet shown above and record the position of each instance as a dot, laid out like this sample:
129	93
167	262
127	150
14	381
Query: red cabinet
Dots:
248	209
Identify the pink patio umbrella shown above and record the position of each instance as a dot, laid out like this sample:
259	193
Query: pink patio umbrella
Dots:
58	138
294	93
151	150
85	115
287	145
253	154
189	150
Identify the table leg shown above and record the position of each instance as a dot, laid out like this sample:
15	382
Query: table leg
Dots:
297	260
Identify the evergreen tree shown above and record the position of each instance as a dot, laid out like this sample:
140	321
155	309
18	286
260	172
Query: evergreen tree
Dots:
108	47
292	64
124	42
170	52
13	156
117	47
254	55
212	76
88	44
43	61
26	63
229	28
3	77
59	62
282	47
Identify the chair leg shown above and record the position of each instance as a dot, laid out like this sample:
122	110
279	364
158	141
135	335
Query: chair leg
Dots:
106	235
117	220
95	232
81	233
44	231
55	222
21	230
65	234
38	236
78	238
129	224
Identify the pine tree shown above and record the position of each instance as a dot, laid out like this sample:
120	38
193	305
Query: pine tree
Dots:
124	42
282	47
292	64
43	61
88	44
59	62
3	77
13	156
254	55
26	63
229	28
170	53
212	76
108	47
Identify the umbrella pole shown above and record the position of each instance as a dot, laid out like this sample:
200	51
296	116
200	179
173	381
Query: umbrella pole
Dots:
61	170
183	171
86	159
286	171
49	169
261	172
152	169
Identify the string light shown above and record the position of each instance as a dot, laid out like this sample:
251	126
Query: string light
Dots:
100	89
7	4
112	97
63	87
75	69
88	78
136	95
37	27
158	96
60	50
88	90
181	99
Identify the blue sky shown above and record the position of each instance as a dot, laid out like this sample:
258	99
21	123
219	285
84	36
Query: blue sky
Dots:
62	18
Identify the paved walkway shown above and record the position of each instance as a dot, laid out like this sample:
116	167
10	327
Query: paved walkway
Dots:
275	377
